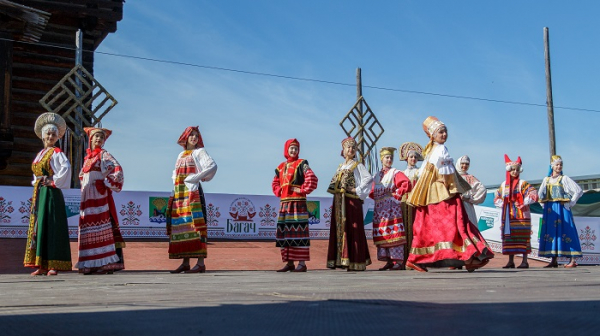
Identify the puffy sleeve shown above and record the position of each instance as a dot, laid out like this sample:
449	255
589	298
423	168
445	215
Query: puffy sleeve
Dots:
112	171
542	190
402	185
310	179
276	184
477	193
498	199
62	170
442	160
364	181
530	195
573	189
207	168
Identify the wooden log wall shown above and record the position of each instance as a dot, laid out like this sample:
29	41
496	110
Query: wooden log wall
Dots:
36	68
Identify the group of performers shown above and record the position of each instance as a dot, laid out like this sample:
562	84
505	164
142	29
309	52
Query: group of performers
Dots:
423	217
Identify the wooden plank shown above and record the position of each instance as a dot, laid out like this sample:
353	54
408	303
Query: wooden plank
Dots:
15	180
114	13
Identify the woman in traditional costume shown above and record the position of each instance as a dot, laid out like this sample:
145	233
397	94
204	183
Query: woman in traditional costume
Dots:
558	235
478	191
350	186
100	241
514	196
389	186
410	152
292	182
48	247
442	233
186	213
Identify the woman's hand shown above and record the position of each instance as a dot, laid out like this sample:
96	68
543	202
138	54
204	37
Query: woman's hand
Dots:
46	181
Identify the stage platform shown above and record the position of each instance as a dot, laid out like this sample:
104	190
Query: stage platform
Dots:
222	256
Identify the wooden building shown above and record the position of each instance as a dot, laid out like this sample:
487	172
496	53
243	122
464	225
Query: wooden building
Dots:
33	58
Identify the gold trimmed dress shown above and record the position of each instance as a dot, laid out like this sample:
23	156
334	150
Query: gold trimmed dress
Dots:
48	245
442	233
347	240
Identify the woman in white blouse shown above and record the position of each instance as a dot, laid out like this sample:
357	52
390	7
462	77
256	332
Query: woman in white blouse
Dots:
350	186
558	235
186	213
48	248
443	235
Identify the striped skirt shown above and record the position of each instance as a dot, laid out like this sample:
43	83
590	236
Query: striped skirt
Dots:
292	234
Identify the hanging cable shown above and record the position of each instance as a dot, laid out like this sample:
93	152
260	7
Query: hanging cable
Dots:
500	101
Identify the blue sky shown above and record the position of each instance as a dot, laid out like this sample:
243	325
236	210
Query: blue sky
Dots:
491	50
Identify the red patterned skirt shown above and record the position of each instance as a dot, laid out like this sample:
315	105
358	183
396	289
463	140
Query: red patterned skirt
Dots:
442	233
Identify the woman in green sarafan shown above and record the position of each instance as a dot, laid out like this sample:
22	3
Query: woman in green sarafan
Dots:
48	248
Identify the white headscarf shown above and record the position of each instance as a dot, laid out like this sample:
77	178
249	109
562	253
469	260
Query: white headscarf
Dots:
462	159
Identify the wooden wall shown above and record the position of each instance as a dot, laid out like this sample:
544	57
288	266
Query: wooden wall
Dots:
37	68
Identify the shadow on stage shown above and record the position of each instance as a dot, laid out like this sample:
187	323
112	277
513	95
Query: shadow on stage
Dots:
330	317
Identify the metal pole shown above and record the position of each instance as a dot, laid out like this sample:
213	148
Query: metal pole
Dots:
549	102
360	116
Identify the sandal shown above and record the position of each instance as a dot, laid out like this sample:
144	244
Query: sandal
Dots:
39	271
52	272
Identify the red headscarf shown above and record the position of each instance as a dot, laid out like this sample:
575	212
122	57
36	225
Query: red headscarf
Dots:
286	148
512	183
185	135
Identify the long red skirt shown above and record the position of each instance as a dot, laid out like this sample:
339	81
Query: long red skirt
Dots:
443	235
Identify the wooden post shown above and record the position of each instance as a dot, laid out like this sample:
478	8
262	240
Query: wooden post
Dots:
549	102
360	117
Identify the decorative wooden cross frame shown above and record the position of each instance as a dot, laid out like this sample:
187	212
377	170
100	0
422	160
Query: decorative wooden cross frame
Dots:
75	102
361	124
83	102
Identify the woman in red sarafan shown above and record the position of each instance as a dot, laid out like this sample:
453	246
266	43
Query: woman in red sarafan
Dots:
443	236
100	240
292	182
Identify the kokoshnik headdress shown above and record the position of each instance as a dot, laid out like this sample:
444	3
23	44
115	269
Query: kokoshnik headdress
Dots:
50	118
408	148
386	151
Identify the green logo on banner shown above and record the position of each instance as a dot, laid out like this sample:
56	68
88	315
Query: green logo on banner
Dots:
314	212
158	209
485	223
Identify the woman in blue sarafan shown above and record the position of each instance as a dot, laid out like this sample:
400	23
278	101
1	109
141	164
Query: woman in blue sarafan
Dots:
558	235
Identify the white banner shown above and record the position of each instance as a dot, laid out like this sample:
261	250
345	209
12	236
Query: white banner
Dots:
142	214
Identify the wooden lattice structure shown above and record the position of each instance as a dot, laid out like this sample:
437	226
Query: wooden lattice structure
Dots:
31	70
361	124
80	99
